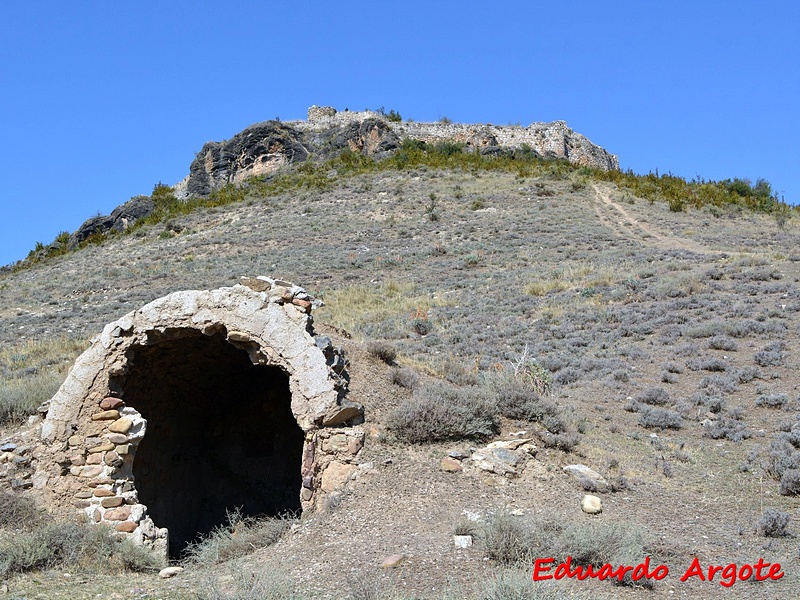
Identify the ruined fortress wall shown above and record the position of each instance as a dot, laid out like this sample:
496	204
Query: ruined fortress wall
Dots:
554	139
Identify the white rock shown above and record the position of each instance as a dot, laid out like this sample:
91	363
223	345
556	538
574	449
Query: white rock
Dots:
169	572
591	505
462	541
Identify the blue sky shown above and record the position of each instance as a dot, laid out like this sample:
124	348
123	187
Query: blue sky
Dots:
101	100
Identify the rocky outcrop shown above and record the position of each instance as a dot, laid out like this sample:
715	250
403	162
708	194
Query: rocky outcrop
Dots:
120	219
264	148
260	149
553	140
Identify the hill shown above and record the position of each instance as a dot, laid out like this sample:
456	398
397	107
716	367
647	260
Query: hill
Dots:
654	335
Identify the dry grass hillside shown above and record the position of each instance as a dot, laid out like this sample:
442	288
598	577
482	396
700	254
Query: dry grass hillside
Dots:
658	347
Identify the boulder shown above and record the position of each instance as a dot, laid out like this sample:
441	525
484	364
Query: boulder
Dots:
591	505
586	475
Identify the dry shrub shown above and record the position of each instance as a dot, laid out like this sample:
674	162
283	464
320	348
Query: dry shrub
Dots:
773	523
73	546
238	537
439	412
654	396
383	351
266	584
404	377
19	512
660	418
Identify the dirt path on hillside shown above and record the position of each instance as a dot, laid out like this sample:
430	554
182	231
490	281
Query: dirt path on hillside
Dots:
620	221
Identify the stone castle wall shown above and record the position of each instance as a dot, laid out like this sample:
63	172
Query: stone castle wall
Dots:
554	139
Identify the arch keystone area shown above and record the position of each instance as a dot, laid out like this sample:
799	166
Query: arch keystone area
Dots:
199	403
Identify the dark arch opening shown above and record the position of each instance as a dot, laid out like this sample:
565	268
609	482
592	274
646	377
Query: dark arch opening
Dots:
220	435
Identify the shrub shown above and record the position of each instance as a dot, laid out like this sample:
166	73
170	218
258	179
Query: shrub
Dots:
404	377
667	377
568	375
517	400
62	545
728	428
516	585
790	482
772	400
722	342
238	537
773	523
747	374
714	364
781	457
654	396
383	351
20	398
439	412
19	511
266	584
566	442
510	540
663	418
771	355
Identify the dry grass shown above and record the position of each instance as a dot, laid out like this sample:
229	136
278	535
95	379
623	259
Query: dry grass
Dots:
31	372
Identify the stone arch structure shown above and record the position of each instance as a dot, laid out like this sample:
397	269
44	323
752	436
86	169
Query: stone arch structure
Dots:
199	403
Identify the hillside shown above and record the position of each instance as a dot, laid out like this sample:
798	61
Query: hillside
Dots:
667	340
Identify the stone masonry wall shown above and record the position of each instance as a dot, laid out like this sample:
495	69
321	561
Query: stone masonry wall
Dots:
84	458
554	139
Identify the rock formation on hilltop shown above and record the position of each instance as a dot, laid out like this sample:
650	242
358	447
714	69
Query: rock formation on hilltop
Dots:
264	148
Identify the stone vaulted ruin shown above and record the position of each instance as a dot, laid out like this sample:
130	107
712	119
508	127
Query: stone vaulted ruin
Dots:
196	404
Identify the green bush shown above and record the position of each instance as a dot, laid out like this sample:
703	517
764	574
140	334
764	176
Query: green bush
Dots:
440	412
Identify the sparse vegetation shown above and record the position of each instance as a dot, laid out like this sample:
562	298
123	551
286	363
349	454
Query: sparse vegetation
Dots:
31	372
238	537
244	584
383	351
440	412
513	540
71	546
773	523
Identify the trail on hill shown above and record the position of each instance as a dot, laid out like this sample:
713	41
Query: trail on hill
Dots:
620	221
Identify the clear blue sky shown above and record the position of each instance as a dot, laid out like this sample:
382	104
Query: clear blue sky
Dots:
101	100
